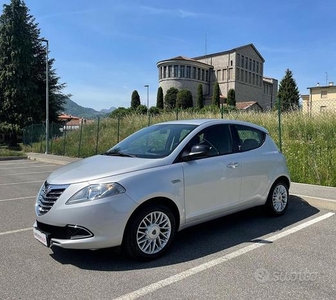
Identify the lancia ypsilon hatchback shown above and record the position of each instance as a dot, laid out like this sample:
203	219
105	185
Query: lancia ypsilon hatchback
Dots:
159	180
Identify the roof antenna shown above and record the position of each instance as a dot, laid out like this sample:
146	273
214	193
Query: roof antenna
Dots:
326	78
206	44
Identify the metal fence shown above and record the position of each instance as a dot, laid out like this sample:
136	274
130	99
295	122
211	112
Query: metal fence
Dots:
308	141
98	136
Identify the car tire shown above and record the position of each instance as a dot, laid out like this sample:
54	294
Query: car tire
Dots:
149	232
278	197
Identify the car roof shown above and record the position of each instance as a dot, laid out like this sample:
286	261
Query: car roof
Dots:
208	122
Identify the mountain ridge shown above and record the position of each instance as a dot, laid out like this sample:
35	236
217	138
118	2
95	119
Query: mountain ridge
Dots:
74	109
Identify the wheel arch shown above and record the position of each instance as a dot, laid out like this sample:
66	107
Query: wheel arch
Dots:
284	179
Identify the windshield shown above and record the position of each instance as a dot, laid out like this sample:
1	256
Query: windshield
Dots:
155	141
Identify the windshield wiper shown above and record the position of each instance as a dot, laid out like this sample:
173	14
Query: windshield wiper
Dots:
119	153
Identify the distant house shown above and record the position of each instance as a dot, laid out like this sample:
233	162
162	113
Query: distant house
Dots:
244	106
71	122
320	99
249	106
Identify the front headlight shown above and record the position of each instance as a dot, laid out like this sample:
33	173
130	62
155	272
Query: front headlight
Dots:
96	191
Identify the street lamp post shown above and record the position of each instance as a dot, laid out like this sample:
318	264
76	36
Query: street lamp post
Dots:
47	95
147	86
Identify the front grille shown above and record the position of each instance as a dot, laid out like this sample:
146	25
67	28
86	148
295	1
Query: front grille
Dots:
69	232
48	196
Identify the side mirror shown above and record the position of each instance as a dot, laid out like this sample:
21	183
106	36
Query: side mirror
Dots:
197	151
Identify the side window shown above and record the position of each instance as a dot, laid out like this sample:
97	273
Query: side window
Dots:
218	137
250	138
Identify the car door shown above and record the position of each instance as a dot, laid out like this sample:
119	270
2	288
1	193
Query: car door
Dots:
257	163
212	184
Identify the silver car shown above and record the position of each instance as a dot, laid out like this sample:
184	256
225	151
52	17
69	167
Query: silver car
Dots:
160	180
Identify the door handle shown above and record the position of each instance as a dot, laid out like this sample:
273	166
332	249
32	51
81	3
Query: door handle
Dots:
233	165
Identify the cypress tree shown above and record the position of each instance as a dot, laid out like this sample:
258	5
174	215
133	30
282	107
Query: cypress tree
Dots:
216	95
159	98
231	97
200	99
135	101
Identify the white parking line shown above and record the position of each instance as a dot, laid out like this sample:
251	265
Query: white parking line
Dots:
16	231
183	275
20	198
20	183
27	173
28	167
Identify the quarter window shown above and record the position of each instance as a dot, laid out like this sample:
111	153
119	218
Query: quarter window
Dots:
249	138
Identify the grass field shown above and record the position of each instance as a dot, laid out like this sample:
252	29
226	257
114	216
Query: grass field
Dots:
309	143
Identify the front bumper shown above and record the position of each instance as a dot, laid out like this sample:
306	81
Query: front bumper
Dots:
89	225
70	237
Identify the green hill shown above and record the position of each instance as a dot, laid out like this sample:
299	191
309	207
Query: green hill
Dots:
72	108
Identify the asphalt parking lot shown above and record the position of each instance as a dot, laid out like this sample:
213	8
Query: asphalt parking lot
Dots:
243	256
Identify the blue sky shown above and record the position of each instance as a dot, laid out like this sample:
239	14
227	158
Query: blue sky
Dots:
106	49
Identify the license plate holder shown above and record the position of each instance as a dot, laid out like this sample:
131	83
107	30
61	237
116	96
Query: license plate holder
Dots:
42	237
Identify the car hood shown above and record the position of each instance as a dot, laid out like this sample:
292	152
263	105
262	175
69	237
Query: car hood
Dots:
100	166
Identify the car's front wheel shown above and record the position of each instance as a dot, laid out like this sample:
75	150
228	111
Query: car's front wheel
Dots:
278	197
150	232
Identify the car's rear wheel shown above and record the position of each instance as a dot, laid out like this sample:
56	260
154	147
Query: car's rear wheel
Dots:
278	197
150	232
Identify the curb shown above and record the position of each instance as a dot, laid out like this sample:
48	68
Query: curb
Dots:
323	203
51	158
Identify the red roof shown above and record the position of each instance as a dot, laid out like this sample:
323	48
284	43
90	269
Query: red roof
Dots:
66	117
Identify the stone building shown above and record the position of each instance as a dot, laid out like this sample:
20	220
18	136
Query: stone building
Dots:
240	69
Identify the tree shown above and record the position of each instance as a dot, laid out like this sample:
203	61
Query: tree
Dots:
231	97
159	98
170	98
23	71
154	111
288	93
120	112
135	101
141	109
200	99
184	99
216	95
